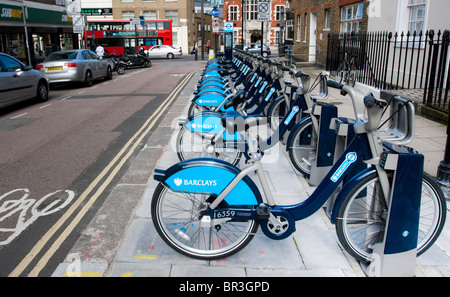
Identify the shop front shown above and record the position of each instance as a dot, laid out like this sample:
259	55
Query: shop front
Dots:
49	29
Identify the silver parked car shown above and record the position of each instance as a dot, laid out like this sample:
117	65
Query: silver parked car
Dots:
19	82
75	66
163	51
256	49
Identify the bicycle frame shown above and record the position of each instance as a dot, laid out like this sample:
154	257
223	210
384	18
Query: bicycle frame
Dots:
263	209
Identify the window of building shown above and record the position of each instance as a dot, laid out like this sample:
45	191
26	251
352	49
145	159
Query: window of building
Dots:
351	18
252	10
278	10
233	13
412	16
175	38
306	26
289	30
149	14
299	27
327	19
172	15
416	15
127	15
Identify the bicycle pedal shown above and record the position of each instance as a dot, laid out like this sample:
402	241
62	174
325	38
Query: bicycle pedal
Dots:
263	212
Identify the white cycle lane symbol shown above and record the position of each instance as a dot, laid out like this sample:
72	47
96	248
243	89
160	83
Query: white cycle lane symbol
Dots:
17	204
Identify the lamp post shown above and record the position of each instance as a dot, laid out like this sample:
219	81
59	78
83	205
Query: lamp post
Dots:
203	30
24	17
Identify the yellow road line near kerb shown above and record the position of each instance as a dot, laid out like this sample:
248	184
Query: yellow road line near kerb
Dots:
148	125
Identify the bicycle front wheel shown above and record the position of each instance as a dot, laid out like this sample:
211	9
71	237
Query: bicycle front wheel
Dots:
361	219
176	217
341	73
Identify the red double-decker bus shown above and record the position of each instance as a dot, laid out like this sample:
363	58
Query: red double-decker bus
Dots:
122	38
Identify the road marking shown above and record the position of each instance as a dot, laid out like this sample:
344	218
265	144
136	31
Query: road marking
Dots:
18	116
65	98
120	159
22	207
44	106
83	273
146	257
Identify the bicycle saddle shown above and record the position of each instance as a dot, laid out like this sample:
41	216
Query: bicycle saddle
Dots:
235	122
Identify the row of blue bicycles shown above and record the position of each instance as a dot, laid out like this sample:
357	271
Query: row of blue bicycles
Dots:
207	206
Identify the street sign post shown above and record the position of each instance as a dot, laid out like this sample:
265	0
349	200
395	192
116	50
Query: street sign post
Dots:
263	11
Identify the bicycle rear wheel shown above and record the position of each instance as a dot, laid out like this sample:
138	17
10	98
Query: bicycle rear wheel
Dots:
190	145
276	112
302	147
361	219
176	217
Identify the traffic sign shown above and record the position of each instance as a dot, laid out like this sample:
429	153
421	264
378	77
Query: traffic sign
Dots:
215	26
78	24
135	21
263	11
215	12
228	27
74	8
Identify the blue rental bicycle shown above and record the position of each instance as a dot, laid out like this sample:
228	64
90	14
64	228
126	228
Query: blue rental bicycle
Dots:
209	209
257	76
202	135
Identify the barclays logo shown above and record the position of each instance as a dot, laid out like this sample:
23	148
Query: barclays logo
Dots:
349	159
195	182
205	126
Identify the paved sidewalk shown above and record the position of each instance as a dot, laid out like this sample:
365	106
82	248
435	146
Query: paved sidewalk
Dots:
313	250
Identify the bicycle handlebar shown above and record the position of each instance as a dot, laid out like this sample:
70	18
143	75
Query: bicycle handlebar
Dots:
358	106
375	109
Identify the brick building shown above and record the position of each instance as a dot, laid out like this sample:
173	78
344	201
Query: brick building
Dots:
310	21
232	11
181	12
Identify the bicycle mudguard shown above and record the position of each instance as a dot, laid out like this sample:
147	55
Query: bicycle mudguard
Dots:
210	122
347	188
209	99
212	73
211	84
211	177
206	90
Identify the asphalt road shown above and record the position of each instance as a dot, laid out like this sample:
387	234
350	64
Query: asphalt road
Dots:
58	159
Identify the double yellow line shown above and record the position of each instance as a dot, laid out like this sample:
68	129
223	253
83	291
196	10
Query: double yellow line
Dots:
110	172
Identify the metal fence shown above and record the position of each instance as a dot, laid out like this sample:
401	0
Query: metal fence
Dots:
393	61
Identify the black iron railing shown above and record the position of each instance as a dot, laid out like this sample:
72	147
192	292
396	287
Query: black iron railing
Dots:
398	61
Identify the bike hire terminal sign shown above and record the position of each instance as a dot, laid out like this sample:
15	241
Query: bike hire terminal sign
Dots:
263	11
